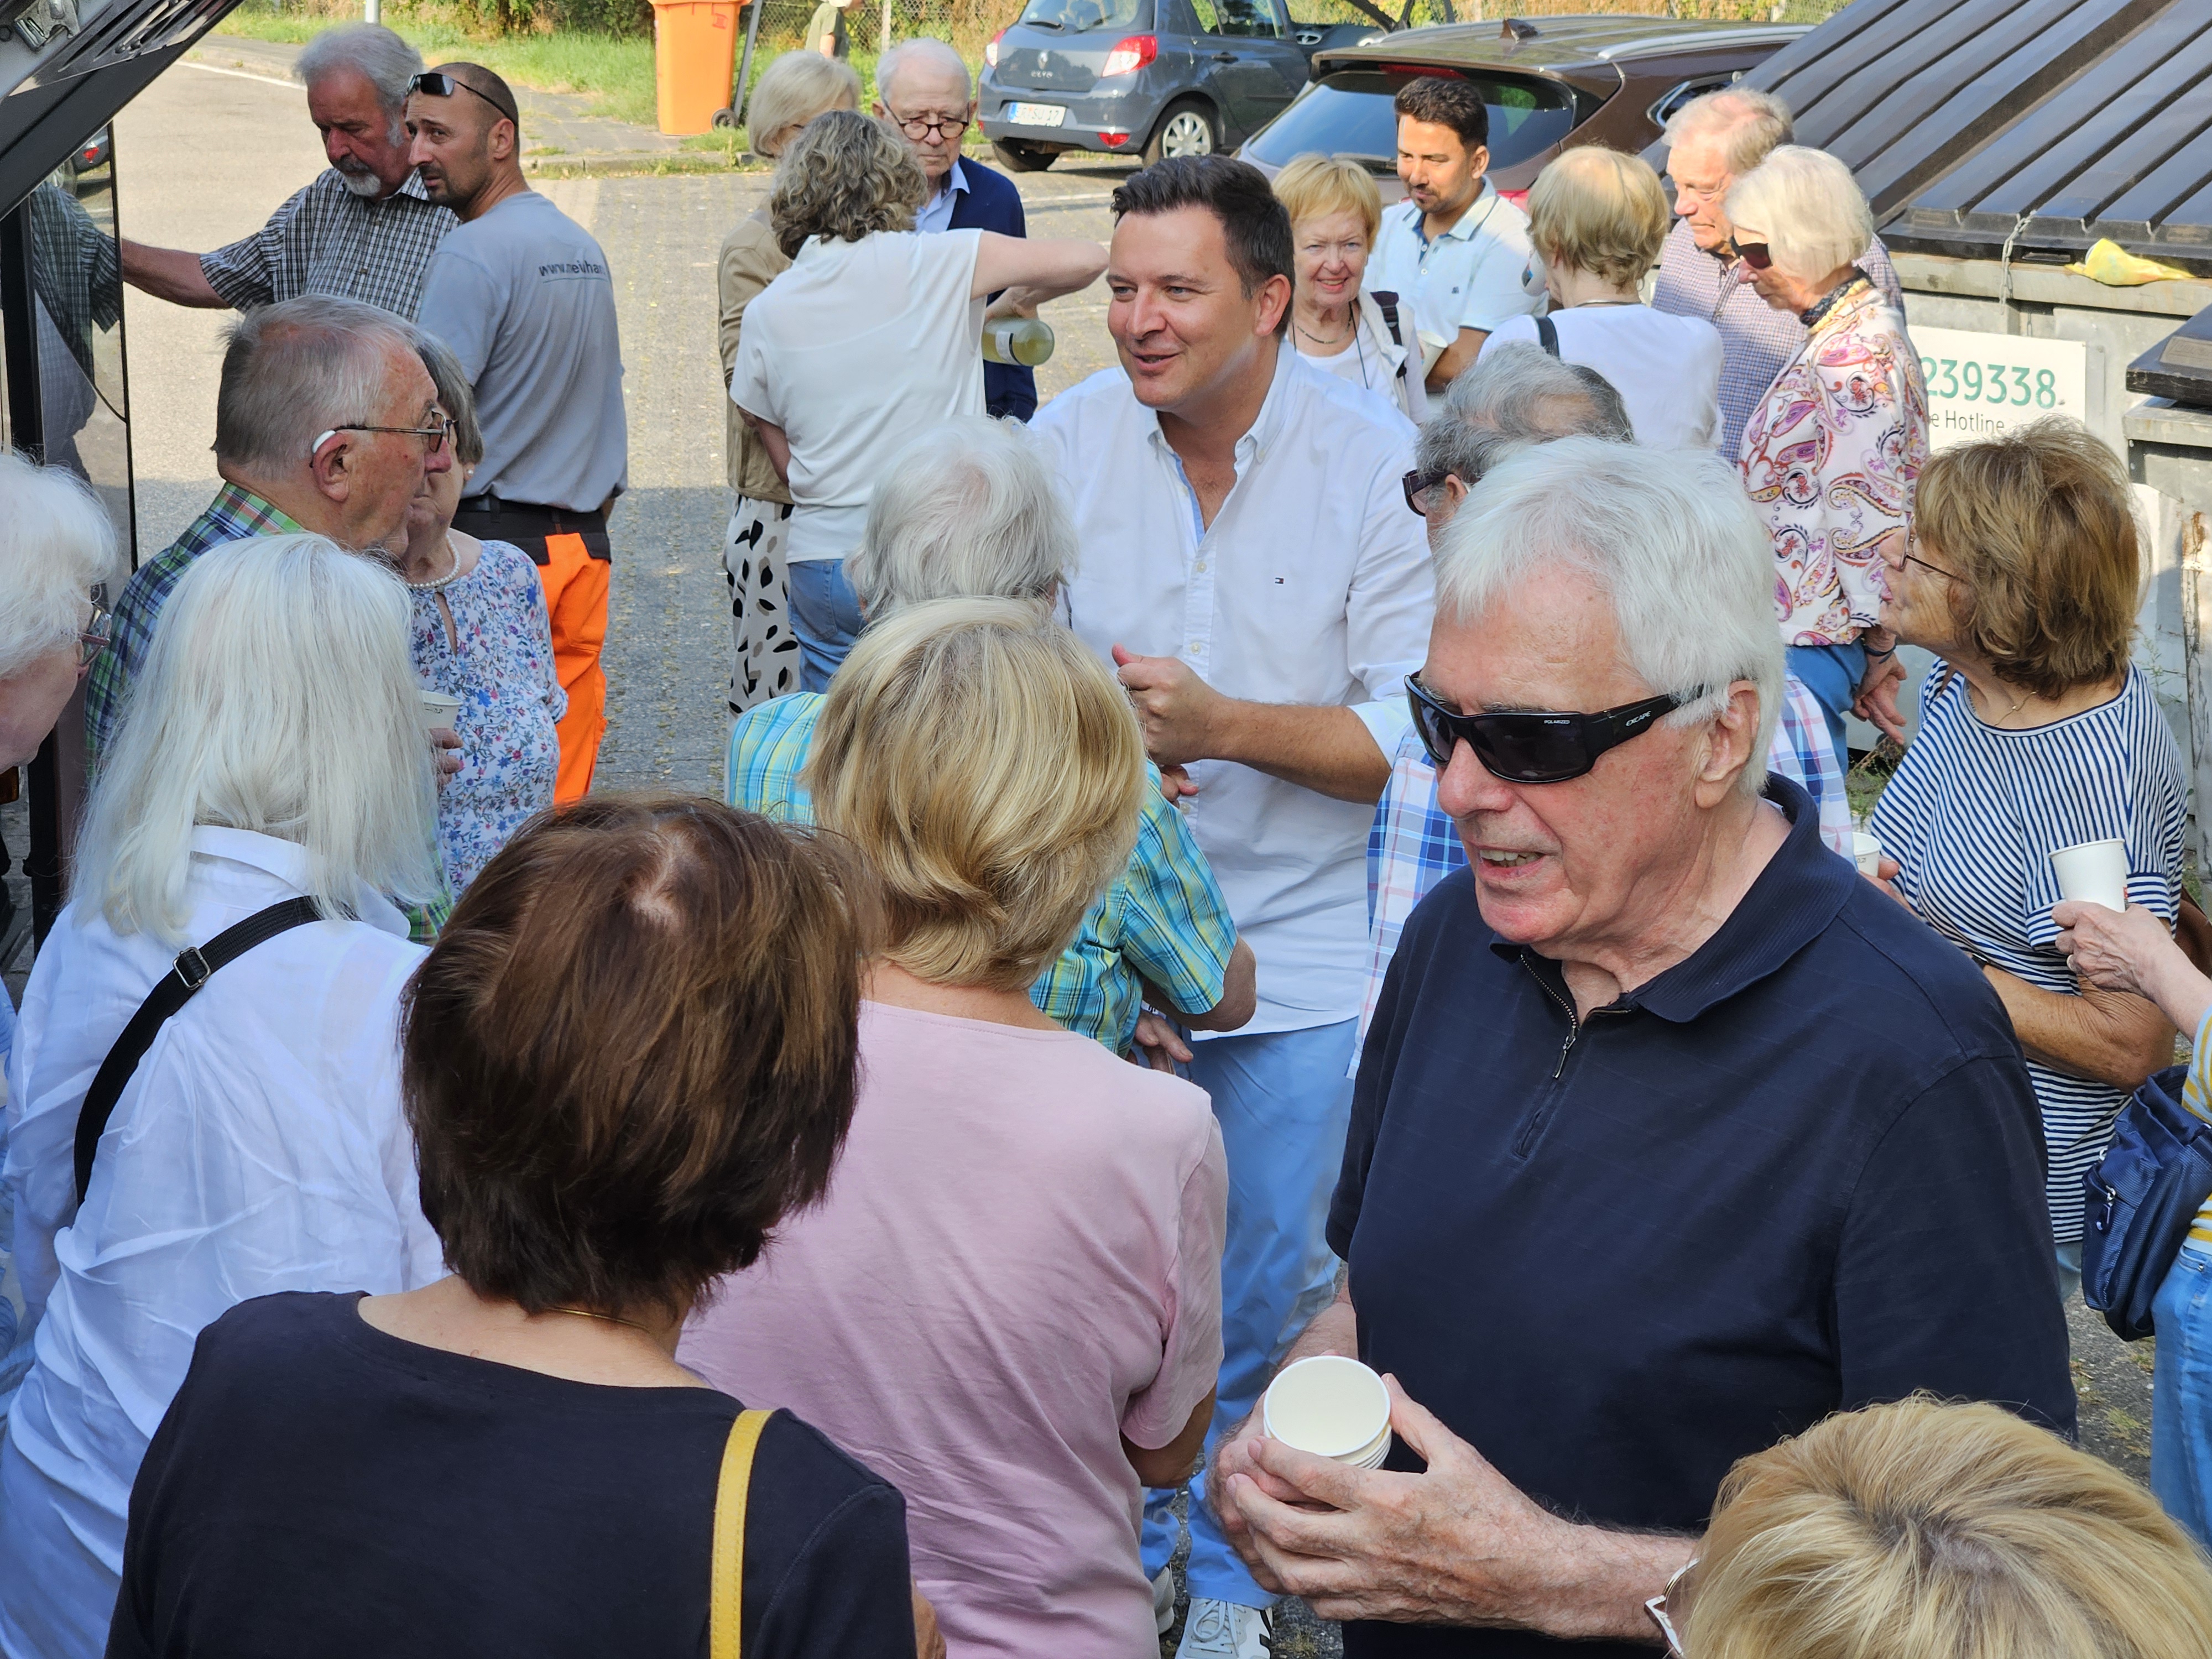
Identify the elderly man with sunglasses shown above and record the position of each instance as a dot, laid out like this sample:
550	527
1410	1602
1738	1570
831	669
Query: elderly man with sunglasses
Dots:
1673	1135
1518	394
293	454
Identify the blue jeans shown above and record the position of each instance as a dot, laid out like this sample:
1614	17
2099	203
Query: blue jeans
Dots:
2181	1393
826	617
1832	673
1284	1102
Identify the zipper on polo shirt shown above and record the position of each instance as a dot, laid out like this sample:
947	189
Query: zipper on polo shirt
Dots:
1576	1026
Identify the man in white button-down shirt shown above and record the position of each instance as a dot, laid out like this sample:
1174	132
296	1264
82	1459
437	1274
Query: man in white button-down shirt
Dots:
1250	562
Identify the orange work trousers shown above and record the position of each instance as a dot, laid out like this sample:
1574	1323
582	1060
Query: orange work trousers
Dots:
576	600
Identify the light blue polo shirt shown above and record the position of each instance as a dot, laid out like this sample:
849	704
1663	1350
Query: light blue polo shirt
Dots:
1471	276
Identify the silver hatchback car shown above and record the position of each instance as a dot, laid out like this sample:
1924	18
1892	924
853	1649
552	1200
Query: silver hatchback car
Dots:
1149	77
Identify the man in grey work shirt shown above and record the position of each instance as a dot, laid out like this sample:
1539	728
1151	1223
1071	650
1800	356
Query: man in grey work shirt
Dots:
363	230
521	294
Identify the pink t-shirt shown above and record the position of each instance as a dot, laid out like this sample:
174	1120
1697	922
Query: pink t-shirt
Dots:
1019	1262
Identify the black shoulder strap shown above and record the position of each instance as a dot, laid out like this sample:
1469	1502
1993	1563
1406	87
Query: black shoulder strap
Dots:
1388	303
171	993
1549	334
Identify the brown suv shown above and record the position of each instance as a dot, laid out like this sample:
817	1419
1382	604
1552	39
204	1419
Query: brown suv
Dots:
1550	83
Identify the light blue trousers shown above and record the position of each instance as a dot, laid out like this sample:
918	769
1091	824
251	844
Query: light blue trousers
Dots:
2181	1394
826	617
1284	1102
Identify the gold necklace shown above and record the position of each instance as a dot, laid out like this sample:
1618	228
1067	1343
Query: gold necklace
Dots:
594	1313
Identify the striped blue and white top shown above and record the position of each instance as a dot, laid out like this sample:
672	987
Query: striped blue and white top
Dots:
1973	816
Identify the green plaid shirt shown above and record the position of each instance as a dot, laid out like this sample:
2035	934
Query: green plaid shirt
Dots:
1162	921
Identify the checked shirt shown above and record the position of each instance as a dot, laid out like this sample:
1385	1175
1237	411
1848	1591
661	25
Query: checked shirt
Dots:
1162	921
325	239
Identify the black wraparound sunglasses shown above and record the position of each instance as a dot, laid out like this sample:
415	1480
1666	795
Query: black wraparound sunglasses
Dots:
1757	255
438	84
1523	746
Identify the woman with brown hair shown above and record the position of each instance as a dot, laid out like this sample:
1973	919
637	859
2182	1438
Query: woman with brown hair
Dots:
2036	734
628	1057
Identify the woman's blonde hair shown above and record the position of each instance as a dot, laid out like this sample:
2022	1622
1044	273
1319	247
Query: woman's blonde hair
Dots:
1810	209
989	769
2038	526
278	697
1314	186
1599	211
845	177
1922	1530
791	91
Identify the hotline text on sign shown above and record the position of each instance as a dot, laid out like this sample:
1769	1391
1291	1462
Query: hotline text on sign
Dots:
1982	385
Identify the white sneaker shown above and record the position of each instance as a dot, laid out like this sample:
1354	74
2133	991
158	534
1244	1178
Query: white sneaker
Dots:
1222	1630
1164	1598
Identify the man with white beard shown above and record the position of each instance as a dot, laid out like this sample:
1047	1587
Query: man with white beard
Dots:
363	230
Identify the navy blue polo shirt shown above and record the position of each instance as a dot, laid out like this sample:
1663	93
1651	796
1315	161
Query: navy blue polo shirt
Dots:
1798	1172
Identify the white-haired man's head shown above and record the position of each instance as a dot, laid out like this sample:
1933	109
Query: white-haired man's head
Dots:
1712	142
357	79
923	86
1583	576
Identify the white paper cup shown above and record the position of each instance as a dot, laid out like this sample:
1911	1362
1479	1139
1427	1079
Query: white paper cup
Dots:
2095	872
439	709
1331	1406
1868	851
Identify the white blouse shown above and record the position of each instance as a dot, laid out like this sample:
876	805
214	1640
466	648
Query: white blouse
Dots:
258	1147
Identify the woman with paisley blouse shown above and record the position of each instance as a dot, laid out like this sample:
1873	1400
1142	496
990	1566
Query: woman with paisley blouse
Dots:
1831	454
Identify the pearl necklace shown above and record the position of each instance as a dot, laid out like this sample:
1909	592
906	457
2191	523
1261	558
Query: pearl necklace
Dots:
435	583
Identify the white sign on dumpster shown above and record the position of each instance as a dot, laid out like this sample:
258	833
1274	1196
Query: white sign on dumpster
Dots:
1982	385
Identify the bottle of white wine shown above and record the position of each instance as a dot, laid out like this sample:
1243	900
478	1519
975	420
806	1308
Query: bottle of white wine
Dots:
1023	340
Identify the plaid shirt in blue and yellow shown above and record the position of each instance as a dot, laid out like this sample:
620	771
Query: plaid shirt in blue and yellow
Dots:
1162	921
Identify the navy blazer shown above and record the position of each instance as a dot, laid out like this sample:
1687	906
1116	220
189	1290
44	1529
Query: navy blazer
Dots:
992	203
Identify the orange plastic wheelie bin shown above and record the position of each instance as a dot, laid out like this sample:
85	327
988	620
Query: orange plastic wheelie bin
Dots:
695	54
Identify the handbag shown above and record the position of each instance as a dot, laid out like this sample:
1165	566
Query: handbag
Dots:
2142	1200
725	1593
190	970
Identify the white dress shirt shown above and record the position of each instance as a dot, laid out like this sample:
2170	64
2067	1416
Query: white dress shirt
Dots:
1476	275
1667	368
258	1147
1311	587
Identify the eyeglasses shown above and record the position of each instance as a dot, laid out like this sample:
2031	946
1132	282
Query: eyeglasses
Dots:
1914	558
932	126
93	639
1656	1607
436	436
1528	747
1417	484
1754	254
438	84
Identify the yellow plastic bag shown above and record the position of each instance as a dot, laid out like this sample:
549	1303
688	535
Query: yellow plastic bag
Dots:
2108	263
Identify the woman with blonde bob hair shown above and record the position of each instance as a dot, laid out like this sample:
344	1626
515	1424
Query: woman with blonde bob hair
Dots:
1009	1304
1922	1530
1335	214
273	749
1597	219
870	340
764	653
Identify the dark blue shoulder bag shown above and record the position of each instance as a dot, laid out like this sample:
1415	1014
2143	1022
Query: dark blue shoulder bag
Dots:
2142	1200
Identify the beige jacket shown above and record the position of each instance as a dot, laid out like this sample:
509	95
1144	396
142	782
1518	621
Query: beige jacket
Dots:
751	261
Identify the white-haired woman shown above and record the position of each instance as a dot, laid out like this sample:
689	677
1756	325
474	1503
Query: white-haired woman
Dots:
274	751
56	546
764	652
970	512
1832	451
872	338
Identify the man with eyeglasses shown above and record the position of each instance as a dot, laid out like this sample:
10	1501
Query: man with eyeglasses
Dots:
922	88
296	449
362	230
1712	142
1673	1134
1517	394
521	294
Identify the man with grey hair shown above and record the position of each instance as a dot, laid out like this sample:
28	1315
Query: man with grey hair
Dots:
1712	142
325	420
922	88
363	230
1673	1134
1517	394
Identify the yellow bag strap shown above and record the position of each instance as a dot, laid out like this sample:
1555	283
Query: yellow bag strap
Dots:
726	1594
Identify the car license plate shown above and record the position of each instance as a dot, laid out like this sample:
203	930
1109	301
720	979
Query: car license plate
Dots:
1036	115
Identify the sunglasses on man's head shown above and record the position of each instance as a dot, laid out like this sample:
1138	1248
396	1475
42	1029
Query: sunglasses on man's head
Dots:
1530	747
1754	254
438	84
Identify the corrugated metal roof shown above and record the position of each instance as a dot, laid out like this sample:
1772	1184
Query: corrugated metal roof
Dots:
2046	122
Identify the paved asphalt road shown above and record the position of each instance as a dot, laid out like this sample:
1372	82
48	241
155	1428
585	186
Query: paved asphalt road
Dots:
204	154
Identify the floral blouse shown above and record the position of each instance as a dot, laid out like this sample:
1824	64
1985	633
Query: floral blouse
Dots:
503	675
1829	457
